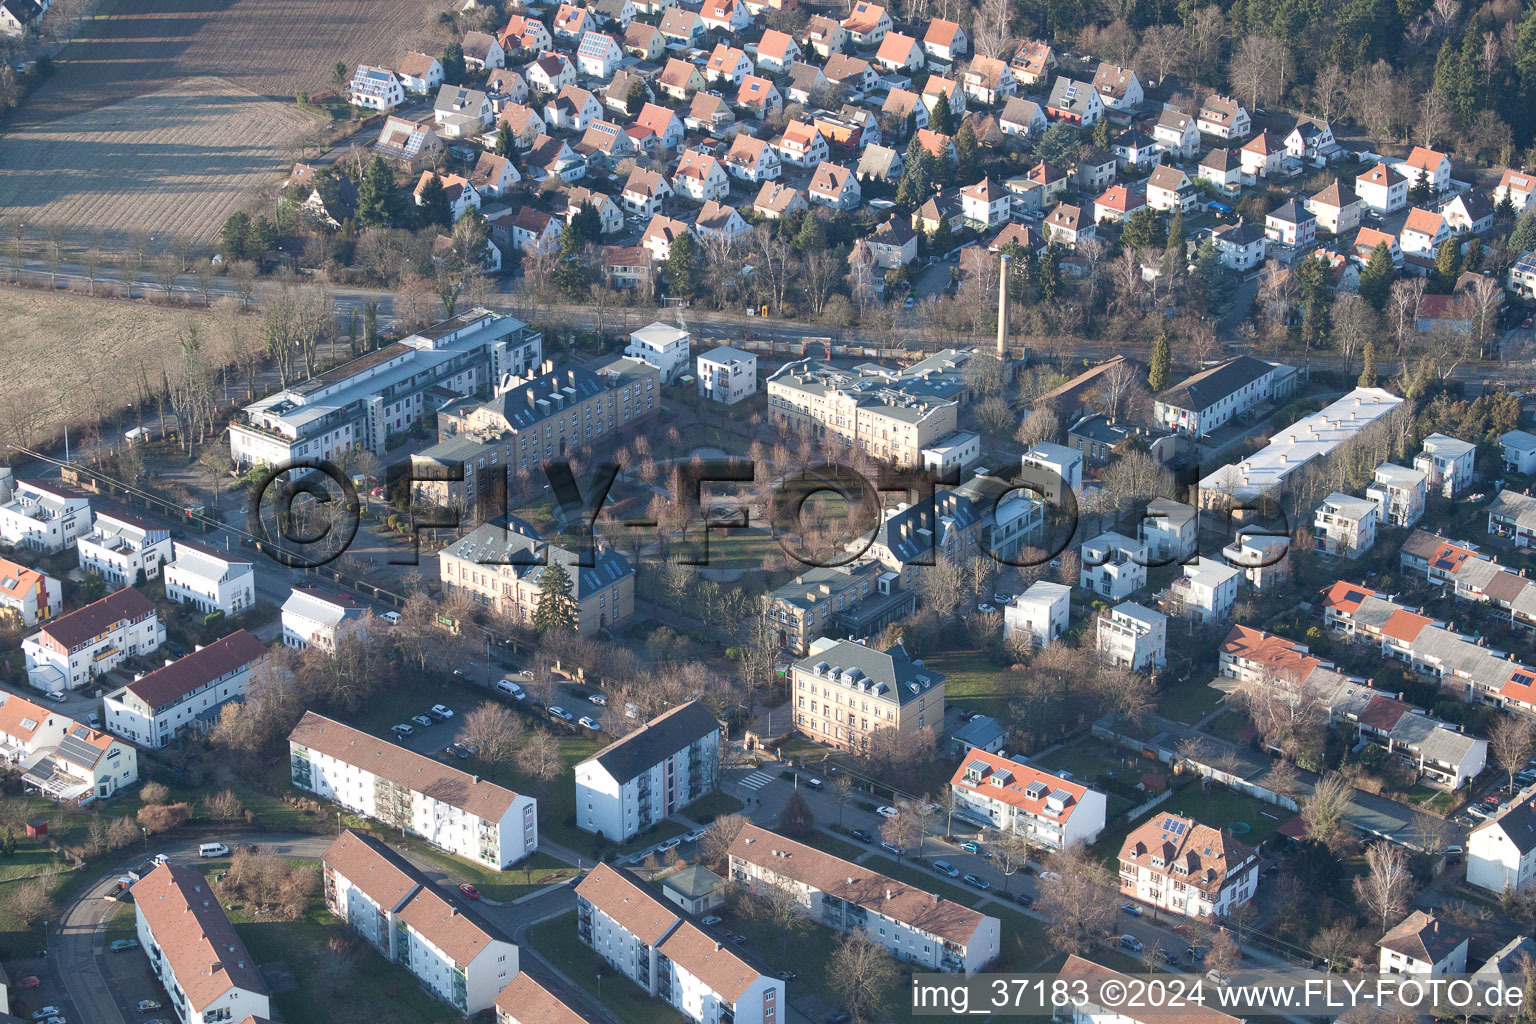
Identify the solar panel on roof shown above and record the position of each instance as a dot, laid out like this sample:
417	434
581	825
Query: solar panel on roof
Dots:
1354	595
77	751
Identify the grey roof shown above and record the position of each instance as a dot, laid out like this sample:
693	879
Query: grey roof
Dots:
1174	513
1512	505
1518	823
656	740
1019	110
1208	387
952	511
1069	95
1509	957
1347	506
979	731
1291	212
692	882
1519	440
549	395
887	675
513	543
804	591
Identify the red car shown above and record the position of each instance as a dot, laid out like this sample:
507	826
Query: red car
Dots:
1493	799
469	891
1526	324
29	981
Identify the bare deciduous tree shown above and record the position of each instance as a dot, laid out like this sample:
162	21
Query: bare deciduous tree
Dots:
1079	898
1512	741
492	732
863	977
1387	890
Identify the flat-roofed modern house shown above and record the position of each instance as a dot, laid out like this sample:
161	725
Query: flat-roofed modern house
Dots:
41	516
121	547
1401	492
910	924
1447	463
71	650
1041	613
209	579
184	695
1134	637
649	775
457	954
1051	811
726	375
451	809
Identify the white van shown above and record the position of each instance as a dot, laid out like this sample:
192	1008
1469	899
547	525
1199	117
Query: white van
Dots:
511	689
393	618
212	850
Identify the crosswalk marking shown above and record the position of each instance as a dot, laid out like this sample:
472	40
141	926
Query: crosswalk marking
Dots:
756	781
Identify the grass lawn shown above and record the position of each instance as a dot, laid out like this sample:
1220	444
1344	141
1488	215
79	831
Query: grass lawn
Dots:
707	808
1024	943
1189	701
1089	758
971	680
1228	725
1431	798
122	924
556	939
528	875
734	549
837	847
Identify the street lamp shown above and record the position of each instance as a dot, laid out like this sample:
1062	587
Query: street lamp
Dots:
145	830
599	987
338	823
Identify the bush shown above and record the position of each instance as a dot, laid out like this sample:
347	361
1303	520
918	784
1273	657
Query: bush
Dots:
152	793
164	817
213	617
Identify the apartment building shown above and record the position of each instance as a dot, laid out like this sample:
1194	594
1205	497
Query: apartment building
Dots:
1447	464
1113	566
525	1001
663	346
668	957
912	925
1501	852
1134	637
1439	753
28	596
42	517
1181	866
533	419
184	695
726	375
858	598
449	808
1345	526
1170	529
194	951
649	775
124	549
1214	397
1041	613
1422	944
1400	492
1050	811
501	565
1256	658
845	692
365	400
316	618
1050	468
1206	592
71	650
457	954
1102	999
890	414
210	580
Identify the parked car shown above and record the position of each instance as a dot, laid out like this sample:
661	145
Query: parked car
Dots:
148	1005
695	835
788	975
588	722
1167	958
469	892
422	720
124	945
944	867
812	784
1131	908
710	919
971	846
1131	943
897	850
401	730
861	835
28	981
440	712
976	881
1194	953
887	811
670	844
840	1017
598	699
213	850
47	1011
1024	899
57	696
556	711
1493	800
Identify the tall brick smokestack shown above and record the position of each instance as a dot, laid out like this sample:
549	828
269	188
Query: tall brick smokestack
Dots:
1002	307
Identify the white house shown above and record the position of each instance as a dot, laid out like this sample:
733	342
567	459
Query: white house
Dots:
867	24
1133	637
311	617
834	186
1213	397
1516	186
1382	189
1207	590
663	346
85	765
184	695
1114	566
1345	526
120	547
700	177
945	40
438	936
726	375
1501	852
910	924
1177	133
451	809
210	580
1447	463
1052	469
1401	492
1171	530
1422	944
644	192
42	517
375	88
1186	868
650	774
986	204
1240	246
462	113
1118	88
599	55
1423	232
1166	187
1263	558
525	1001
1051	811
29	596
1041	612
1261	155
1426	164
71	650
194	951
1519	452
1224	118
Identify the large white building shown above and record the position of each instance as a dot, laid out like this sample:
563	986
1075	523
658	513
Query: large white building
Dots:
912	925
649	775
1447	464
1214	397
1048	467
209	579
1345	526
1171	530
1041	611
664	347
1401	492
645	939
451	809
726	375
1181	866
1133	637
42	516
319	619
194	951
120	547
1113	566
185	694
459	956
1052	812
1207	590
71	650
60	758
1501	853
360	403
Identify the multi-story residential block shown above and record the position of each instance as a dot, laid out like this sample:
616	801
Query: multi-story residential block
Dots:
194	951
1171	530
1518	449
41	516
316	618
1422	944
1053	470
859	598
846	692
1345	526
124	549
209	579
1041	612
1501	852
1101	1002
1447	464
1207	590
502	564
457	954
1181	866
525	1001
1214	397
1114	566
71	650
1050	811
650	774
364	401
1400	492
28	596
913	926
668	957
1264	559
663	346
451	809
1134	637
184	695
726	375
